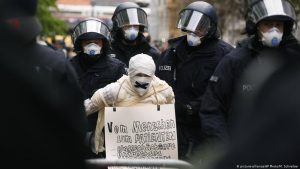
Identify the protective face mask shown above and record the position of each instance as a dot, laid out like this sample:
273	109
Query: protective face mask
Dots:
272	37
141	84
193	40
92	49
131	33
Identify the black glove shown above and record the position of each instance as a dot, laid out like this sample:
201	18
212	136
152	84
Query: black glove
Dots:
189	109
183	110
187	113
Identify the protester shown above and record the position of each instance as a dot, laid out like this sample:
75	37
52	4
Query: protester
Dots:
140	87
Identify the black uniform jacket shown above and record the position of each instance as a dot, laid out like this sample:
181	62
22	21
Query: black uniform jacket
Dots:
125	52
272	121
93	77
187	70
216	112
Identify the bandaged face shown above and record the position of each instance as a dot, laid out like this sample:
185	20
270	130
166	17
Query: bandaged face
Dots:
141	83
141	71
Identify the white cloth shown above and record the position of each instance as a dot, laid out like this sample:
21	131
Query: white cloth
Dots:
127	96
141	63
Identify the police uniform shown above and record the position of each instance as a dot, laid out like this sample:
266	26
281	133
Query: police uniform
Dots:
218	107
187	68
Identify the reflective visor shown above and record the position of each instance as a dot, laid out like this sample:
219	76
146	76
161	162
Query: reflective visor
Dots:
193	21
268	8
94	26
131	16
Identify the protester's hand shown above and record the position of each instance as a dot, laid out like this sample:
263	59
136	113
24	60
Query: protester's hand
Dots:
87	105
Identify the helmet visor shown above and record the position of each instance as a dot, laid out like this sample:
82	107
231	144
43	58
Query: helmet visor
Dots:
131	16
193	21
90	26
279	9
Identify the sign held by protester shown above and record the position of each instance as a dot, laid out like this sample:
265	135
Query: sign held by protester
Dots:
141	132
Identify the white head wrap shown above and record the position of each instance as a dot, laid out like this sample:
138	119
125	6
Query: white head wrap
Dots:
141	63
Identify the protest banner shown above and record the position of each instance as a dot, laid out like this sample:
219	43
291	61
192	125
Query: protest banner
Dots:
141	132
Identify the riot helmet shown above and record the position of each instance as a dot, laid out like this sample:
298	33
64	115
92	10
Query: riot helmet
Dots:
199	16
280	10
129	13
91	28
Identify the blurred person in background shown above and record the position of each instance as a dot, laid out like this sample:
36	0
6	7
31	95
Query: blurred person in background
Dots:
129	23
94	67
187	65
42	120
270	24
60	45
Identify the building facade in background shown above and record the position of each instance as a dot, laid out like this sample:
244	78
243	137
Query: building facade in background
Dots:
72	11
162	16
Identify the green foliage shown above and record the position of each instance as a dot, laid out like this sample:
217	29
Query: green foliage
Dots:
51	25
297	5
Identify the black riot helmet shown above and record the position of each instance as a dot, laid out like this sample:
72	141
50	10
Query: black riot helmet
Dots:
280	10
91	28
197	16
129	13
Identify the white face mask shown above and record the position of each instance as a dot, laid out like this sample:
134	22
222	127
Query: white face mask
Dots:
272	37
131	33
193	40
141	84
92	49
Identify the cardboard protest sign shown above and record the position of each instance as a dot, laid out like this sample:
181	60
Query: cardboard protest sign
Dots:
141	132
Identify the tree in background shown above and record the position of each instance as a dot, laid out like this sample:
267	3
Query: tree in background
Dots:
51	25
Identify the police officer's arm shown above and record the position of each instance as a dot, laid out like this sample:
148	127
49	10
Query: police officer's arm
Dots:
154	53
122	70
195	104
216	102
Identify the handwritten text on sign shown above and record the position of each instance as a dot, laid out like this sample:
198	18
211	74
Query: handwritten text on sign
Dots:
141	133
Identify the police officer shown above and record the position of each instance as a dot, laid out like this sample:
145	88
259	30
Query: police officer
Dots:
270	24
43	124
94	67
187	66
272	119
129	23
